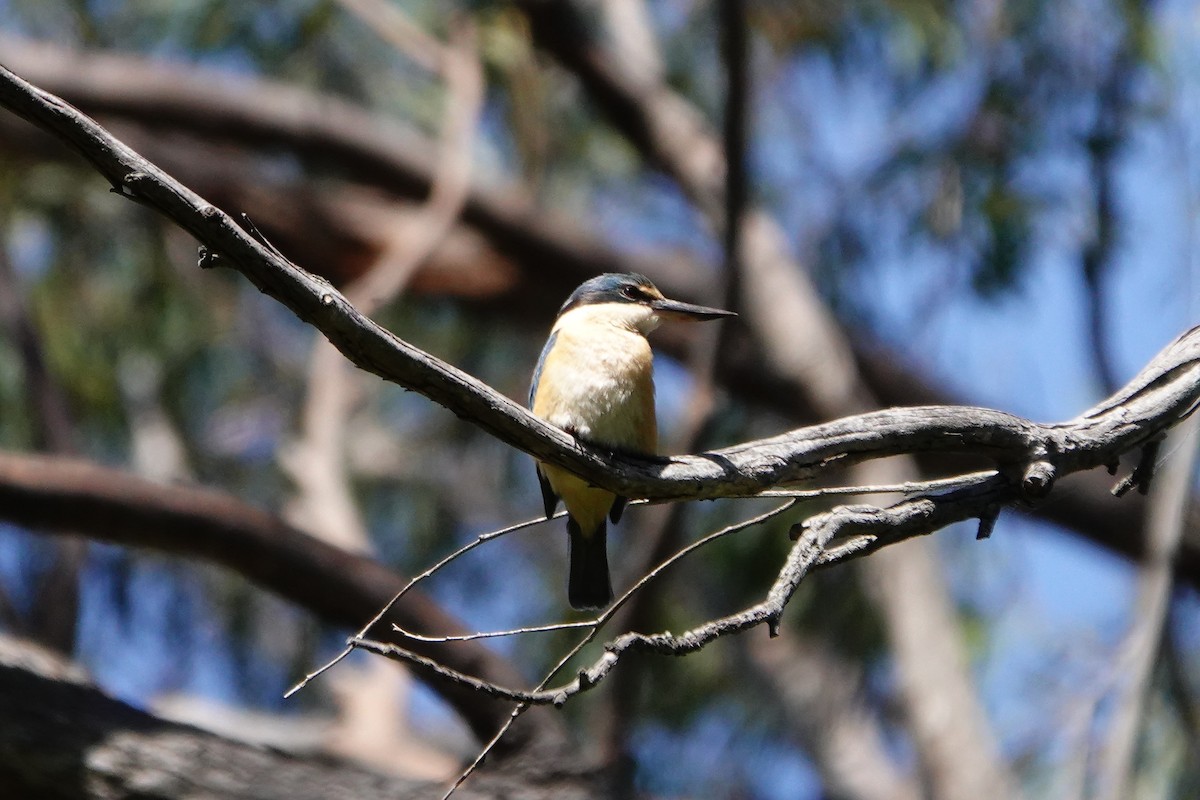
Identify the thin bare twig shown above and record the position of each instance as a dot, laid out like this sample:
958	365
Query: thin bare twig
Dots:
540	695
470	637
408	587
597	624
908	518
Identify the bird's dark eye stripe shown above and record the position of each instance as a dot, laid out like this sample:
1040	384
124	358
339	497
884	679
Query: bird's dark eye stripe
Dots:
635	293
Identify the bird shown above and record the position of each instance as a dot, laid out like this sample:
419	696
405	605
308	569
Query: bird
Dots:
595	380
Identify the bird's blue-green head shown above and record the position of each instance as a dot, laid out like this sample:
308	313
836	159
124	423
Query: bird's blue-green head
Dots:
635	295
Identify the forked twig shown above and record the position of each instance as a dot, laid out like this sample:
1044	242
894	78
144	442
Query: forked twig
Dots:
540	695
469	546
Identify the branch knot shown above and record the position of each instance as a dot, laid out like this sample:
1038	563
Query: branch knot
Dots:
1037	481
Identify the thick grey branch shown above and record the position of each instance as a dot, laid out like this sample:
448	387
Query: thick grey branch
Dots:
253	113
342	588
1157	398
62	738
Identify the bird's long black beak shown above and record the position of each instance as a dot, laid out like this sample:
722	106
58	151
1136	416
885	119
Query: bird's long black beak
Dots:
689	310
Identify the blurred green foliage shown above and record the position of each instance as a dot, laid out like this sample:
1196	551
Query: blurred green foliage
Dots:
963	117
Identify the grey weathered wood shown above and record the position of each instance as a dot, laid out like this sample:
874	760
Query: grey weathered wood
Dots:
61	738
1157	398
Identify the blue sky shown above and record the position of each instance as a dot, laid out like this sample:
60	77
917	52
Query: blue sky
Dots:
1052	598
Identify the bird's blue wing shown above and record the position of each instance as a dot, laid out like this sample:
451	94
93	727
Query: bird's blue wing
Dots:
549	498
537	371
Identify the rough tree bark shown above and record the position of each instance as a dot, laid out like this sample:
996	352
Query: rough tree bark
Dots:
520	247
63	739
1032	456
342	588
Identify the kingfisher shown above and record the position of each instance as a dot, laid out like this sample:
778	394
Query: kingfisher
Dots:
595	380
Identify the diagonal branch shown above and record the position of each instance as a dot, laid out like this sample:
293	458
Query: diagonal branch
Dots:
64	738
538	252
1033	455
340	587
1165	391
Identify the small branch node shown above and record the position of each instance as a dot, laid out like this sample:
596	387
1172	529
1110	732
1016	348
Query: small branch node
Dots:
987	524
327	299
208	259
1143	473
1037	481
773	625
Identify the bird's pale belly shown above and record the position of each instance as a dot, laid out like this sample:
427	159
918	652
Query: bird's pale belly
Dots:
605	396
601	411
600	388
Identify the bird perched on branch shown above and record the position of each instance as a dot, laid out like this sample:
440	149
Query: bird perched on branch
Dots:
595	380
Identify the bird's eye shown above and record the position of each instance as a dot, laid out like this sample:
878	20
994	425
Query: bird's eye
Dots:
632	292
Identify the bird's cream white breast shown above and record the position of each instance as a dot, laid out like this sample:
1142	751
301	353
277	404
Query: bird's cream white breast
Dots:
597	380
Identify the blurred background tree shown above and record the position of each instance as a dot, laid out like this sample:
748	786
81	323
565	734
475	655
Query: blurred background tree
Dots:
981	201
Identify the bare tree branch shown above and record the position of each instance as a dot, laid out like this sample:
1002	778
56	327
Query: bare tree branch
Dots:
1034	454
799	339
914	517
342	588
54	615
552	257
63	738
1153	401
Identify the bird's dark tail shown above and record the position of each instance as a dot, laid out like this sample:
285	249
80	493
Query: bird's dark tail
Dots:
588	585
